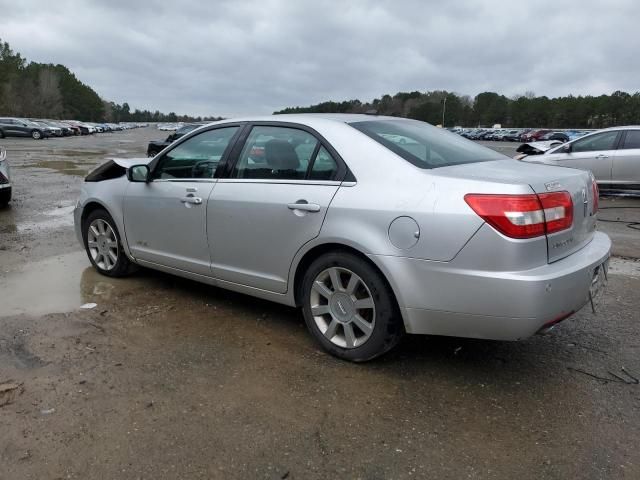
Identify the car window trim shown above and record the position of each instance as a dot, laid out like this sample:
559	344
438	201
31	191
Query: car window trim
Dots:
312	160
343	170
157	162
282	181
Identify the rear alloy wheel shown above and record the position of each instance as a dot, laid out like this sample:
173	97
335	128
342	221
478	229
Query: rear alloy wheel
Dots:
349	307
36	135
103	245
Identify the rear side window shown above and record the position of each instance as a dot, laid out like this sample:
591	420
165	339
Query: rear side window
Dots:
324	166
593	143
632	139
424	145
283	153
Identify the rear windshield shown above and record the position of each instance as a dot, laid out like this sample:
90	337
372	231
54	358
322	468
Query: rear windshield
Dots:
424	145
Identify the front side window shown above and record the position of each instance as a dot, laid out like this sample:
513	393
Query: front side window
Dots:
278	153
424	145
593	143
197	157
632	139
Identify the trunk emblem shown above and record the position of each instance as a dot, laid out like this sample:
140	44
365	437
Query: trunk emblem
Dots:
552	186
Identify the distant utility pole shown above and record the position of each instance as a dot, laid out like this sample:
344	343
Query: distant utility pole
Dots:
444	108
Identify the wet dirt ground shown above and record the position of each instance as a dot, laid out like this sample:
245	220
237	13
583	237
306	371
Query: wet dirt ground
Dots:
167	378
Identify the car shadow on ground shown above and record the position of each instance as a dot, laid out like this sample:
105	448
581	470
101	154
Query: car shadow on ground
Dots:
415	353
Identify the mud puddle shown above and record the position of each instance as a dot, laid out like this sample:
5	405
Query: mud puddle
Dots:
56	285
65	167
59	217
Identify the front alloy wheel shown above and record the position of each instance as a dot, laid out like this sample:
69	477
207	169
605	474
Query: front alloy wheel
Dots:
102	244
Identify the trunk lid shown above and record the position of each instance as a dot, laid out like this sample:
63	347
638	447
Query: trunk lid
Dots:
578	184
542	179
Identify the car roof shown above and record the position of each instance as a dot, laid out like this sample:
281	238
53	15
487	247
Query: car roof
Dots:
625	127
311	118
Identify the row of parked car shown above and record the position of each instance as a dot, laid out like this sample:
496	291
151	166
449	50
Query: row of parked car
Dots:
38	128
520	134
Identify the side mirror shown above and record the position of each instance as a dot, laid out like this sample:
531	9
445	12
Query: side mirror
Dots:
171	138
566	148
139	173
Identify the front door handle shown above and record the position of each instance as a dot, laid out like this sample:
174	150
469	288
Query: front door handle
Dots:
601	156
304	206
192	200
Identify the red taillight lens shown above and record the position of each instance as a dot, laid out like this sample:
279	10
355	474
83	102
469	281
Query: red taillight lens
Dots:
558	210
524	216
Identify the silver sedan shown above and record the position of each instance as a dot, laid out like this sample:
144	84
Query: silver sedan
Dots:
373	226
5	178
612	155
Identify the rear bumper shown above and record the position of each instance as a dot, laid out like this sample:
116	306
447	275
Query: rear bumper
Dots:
438	299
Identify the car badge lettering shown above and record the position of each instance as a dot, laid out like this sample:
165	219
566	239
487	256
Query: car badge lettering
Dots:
550	186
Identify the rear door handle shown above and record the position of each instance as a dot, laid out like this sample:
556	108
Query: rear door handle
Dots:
192	200
304	206
601	156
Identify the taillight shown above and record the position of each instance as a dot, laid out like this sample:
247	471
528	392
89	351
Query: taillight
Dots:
596	194
558	210
524	216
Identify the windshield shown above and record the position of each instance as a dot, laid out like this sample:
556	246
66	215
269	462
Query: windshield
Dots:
424	145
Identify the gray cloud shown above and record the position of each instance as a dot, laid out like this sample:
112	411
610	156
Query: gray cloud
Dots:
238	57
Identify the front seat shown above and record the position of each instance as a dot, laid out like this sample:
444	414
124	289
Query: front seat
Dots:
281	157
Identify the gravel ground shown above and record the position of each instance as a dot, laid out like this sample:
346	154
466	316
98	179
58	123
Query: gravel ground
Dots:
167	378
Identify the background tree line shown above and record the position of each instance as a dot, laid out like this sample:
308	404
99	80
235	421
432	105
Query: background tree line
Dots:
489	108
39	90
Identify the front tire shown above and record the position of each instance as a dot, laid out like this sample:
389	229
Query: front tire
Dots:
36	134
104	246
349	308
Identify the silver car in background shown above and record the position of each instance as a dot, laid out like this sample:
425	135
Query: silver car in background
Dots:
612	155
5	179
374	226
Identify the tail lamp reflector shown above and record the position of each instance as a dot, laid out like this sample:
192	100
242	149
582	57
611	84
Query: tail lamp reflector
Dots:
524	216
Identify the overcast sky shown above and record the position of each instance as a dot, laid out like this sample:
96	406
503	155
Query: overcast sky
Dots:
239	57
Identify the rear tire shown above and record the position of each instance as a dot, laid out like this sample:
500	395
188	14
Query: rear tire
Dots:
103	245
349	307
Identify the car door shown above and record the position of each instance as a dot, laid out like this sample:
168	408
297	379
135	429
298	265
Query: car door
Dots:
165	219
626	162
593	152
11	128
272	201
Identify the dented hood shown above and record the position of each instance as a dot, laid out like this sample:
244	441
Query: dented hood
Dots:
538	148
129	162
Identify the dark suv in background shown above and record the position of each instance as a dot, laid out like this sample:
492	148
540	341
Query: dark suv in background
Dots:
156	146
